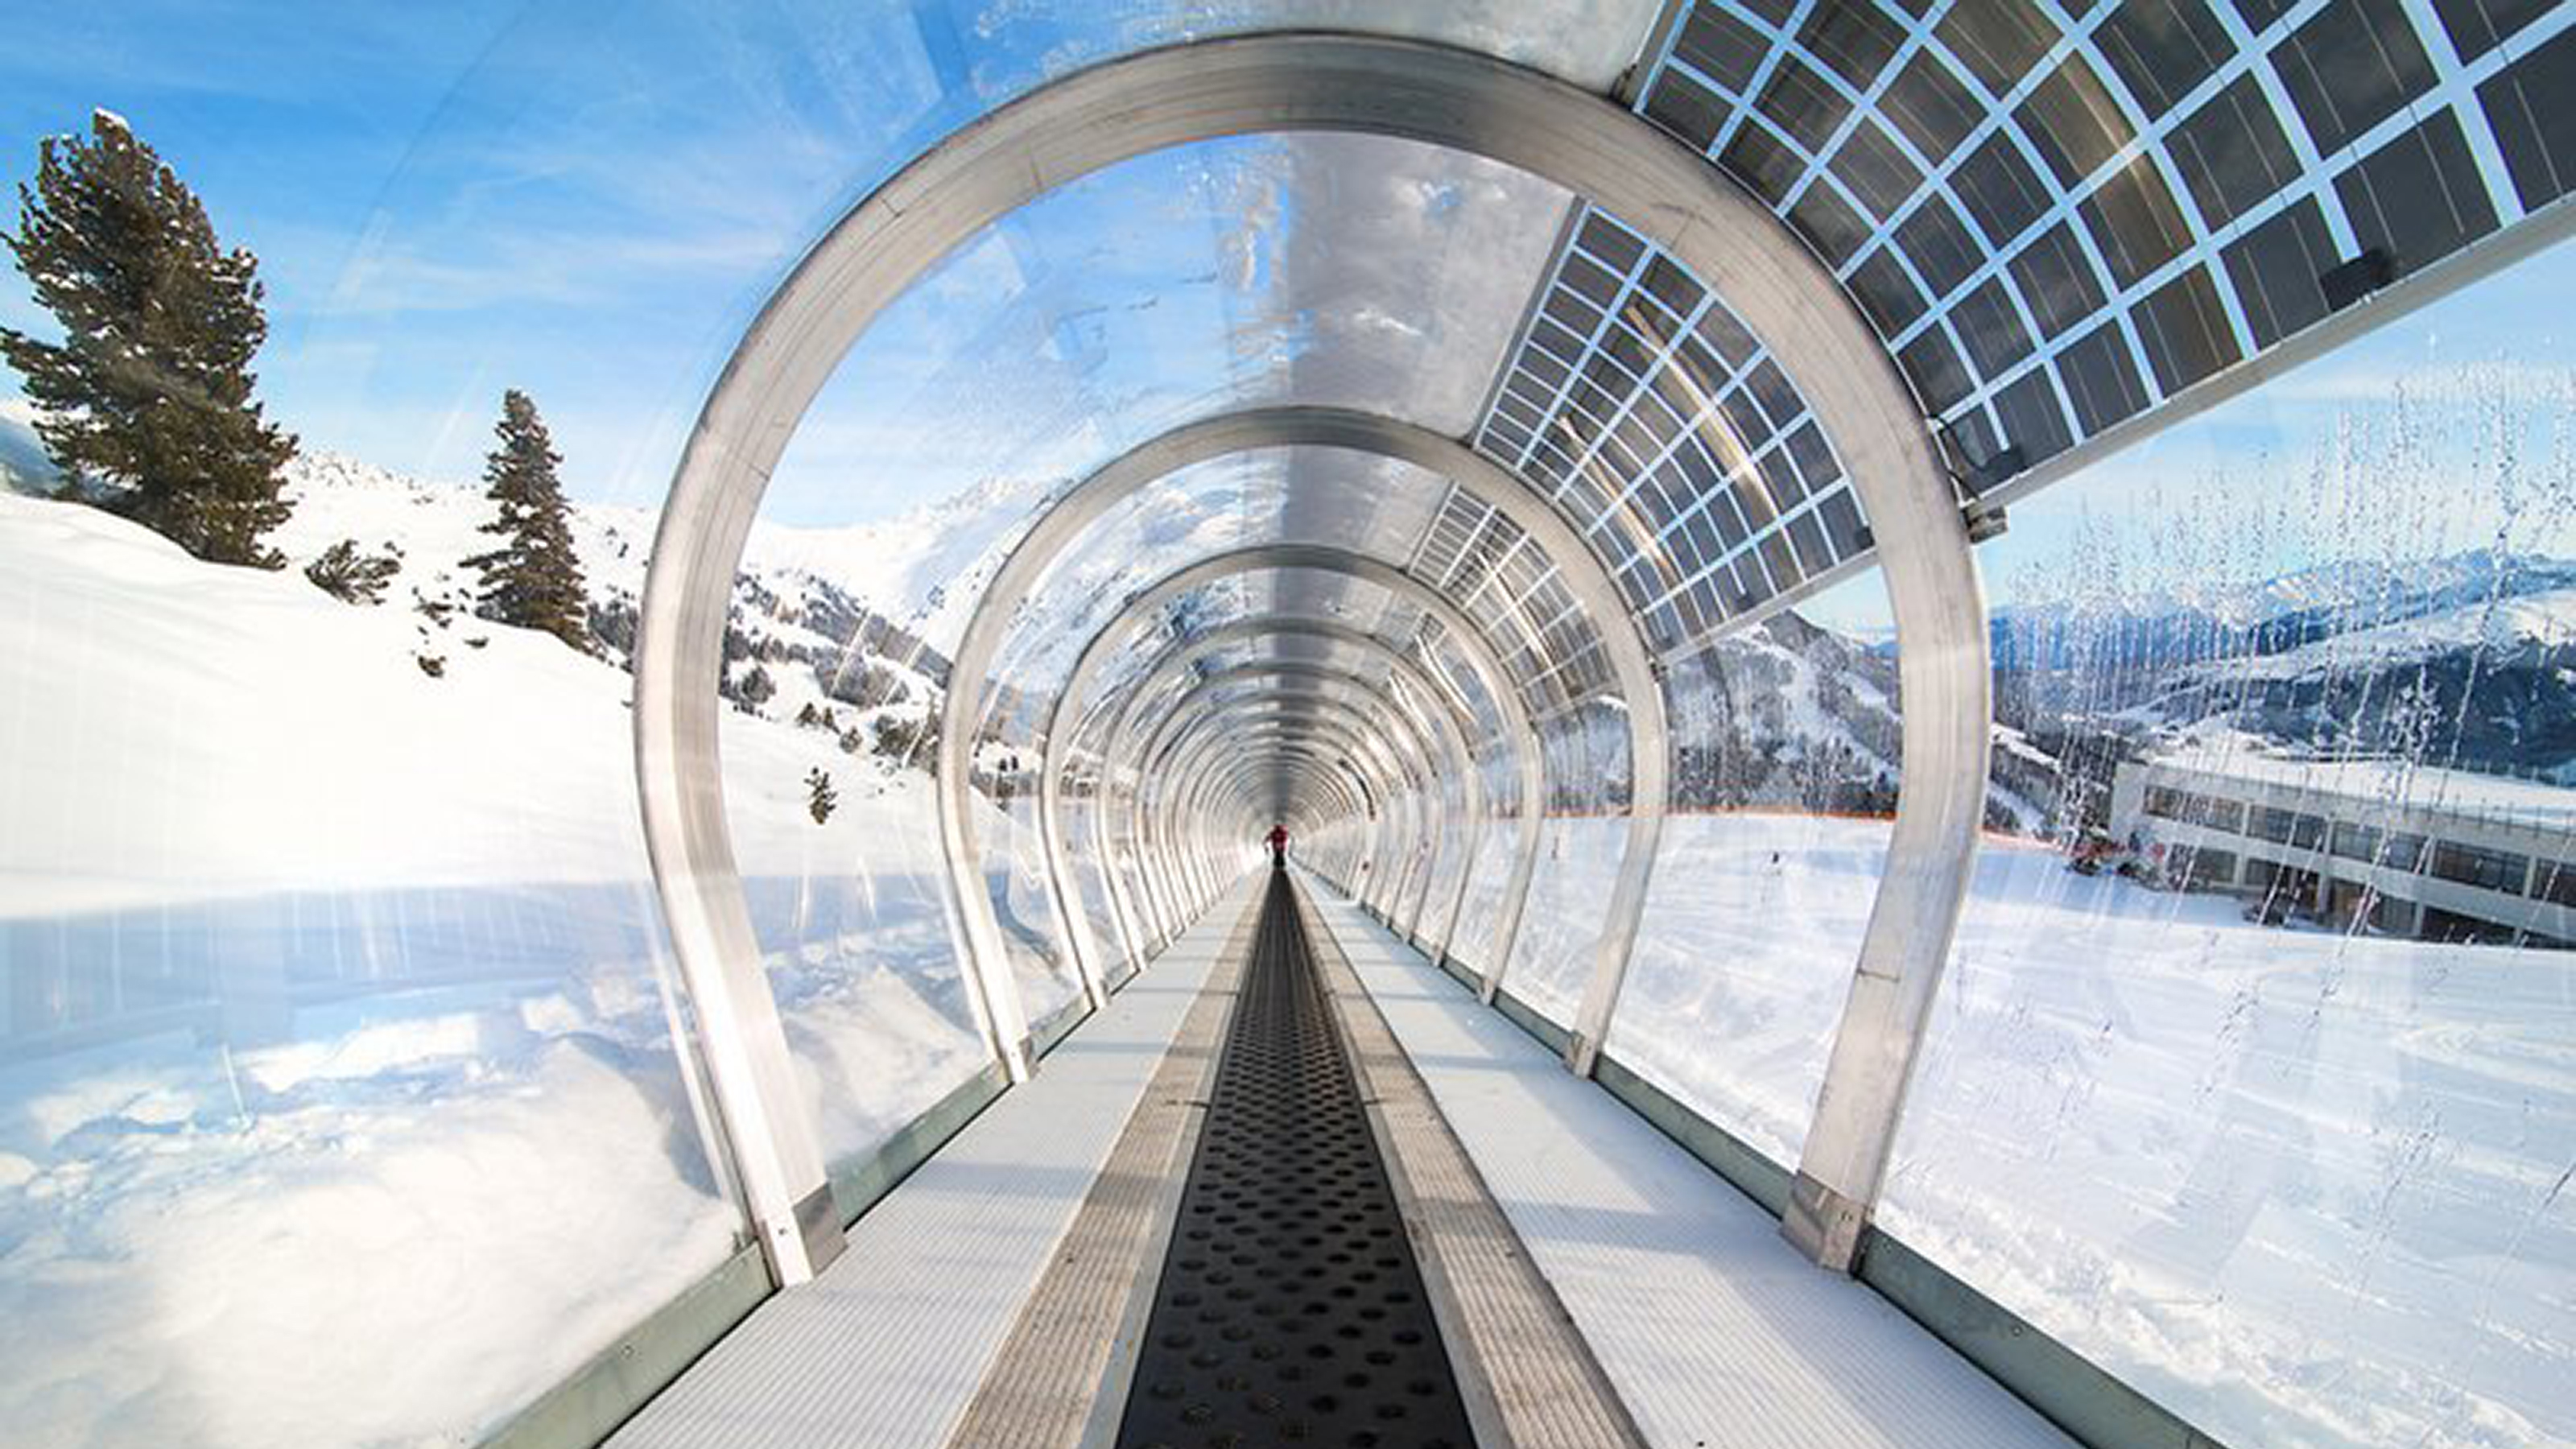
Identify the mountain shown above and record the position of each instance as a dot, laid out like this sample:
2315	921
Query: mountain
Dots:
831	628
2275	616
2466	661
1790	714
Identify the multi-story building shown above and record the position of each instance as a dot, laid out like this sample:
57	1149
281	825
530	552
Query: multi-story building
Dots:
2421	851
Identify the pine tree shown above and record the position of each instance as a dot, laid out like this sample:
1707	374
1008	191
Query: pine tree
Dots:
533	580
146	403
820	798
353	577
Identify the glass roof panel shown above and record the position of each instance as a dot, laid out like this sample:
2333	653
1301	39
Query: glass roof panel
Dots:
600	209
1366	505
1324	270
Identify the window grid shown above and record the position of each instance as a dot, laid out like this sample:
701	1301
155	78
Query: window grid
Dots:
2172	310
1664	419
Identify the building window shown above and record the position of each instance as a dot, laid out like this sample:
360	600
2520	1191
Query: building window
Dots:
2355	842
2554	881
2472	865
2193	809
2288	827
2211	868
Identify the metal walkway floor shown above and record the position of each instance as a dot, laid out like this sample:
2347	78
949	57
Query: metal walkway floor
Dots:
1291	1310
1711	1328
885	1348
1595	1286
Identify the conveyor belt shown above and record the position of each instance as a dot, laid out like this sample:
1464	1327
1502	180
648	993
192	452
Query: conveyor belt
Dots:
1290	1310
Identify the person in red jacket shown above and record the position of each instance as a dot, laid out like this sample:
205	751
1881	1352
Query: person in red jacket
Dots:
1278	847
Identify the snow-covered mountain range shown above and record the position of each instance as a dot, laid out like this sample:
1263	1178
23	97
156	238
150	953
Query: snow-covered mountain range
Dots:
849	629
2466	661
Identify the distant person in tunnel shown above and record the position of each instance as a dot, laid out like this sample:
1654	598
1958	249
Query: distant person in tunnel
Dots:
1278	838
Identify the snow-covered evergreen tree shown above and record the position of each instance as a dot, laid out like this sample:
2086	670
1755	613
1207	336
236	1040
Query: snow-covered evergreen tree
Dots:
146	402
820	798
353	577
533	580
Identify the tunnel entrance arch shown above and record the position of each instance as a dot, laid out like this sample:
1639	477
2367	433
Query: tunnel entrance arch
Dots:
1428	93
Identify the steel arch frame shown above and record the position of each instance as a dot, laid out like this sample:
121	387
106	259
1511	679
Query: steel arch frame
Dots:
1428	93
1586	577
1522	737
1400	773
1348	736
1162	745
1183	653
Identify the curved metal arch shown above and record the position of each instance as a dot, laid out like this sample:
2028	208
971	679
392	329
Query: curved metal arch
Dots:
1313	775
1306	771
1405	753
1184	653
1307	767
1333	776
1586	577
1359	746
1364	747
1393	708
1062	737
1401	770
1283	755
1456	748
1528	759
1433	94
1312	795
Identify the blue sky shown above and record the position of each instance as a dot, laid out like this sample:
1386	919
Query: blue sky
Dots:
588	200
584	199
2510	336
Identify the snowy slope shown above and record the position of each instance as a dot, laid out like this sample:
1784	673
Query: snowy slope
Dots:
2543	620
335	988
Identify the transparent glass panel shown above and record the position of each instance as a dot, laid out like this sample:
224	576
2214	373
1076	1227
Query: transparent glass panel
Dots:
1585	833
2250	1078
1784	786
829	745
1459	839
1491	871
332	992
1091	881
1015	874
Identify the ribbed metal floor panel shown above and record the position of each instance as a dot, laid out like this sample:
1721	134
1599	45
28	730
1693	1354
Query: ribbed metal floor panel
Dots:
886	1347
1712	1328
1082	1324
1290	1311
1527	1371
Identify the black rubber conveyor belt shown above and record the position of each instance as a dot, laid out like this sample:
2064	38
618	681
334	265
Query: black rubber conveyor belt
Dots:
1290	1310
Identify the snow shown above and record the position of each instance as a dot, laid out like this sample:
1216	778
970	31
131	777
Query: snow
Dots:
338	1096
2305	1189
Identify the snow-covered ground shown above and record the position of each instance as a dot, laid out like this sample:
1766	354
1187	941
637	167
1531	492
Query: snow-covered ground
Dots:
339	1102
2306	1189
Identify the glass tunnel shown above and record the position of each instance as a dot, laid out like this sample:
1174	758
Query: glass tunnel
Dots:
1569	723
